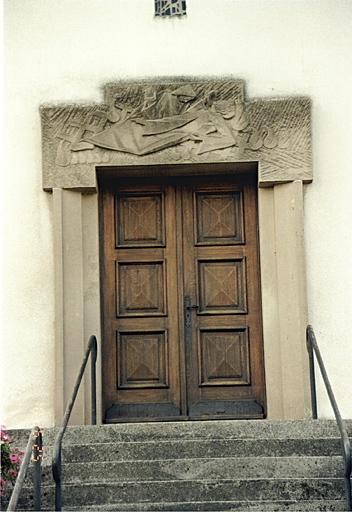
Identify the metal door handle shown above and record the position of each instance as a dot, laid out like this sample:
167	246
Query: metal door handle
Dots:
188	306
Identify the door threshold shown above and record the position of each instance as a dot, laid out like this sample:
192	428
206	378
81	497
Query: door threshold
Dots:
225	417
184	418
145	420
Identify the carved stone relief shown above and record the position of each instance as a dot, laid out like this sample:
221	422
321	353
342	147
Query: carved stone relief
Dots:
173	123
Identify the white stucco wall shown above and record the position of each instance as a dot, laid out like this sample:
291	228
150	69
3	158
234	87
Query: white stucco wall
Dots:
65	50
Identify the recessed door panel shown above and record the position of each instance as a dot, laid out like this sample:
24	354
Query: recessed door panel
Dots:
142	360
221	286
224	357
139	219
219	218
141	288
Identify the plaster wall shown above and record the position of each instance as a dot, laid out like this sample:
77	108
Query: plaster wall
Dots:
64	51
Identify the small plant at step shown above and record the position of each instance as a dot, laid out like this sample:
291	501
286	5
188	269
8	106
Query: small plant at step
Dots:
10	461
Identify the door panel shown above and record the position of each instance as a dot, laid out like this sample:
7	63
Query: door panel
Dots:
221	277
219	217
221	286
141	374
181	300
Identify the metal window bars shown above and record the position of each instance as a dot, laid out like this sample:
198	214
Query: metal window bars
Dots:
170	7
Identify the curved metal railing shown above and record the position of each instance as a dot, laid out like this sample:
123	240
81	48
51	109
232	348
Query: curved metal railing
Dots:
34	453
56	463
313	348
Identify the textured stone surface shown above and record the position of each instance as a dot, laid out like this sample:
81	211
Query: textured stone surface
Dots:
199	469
217	465
277	506
222	429
176	122
100	493
219	506
201	449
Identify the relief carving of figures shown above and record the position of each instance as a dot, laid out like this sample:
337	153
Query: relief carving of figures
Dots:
153	120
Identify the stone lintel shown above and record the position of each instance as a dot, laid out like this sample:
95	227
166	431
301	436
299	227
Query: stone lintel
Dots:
176	122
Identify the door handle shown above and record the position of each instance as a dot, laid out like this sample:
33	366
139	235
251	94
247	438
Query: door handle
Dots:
188	306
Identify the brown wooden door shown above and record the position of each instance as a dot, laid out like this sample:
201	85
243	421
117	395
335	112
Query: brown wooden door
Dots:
224	354
141	331
181	300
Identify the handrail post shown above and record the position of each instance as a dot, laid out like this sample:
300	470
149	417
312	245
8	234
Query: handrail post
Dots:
57	478
313	390
37	477
348	492
313	350
93	380
91	350
32	441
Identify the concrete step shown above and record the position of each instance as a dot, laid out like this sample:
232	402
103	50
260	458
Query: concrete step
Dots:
219	429
202	506
199	469
220	506
91	494
188	469
199	448
206	465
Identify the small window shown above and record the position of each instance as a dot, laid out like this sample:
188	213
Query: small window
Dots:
170	7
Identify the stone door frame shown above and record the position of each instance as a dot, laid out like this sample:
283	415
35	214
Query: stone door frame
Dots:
70	162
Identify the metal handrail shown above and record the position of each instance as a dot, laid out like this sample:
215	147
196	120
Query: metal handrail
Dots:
312	347
56	463
34	448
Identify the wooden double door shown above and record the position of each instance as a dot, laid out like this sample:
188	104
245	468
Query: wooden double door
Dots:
181	307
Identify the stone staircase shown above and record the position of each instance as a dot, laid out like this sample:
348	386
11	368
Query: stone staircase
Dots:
197	466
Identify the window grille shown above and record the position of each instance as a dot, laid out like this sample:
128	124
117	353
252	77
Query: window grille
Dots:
170	7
